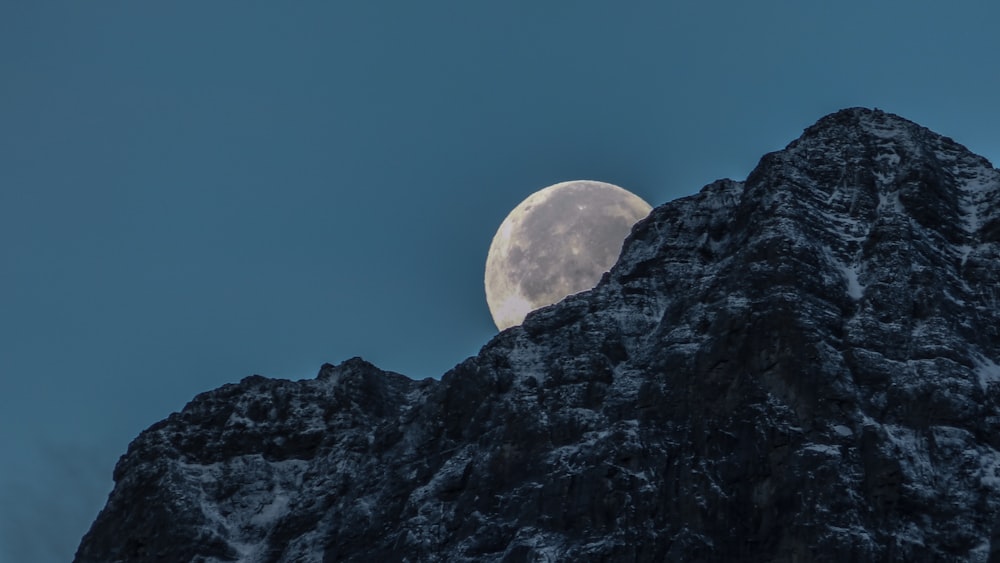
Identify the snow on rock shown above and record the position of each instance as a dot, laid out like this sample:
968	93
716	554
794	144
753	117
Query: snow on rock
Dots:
801	366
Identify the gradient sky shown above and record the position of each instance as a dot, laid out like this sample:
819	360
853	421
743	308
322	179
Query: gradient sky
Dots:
193	192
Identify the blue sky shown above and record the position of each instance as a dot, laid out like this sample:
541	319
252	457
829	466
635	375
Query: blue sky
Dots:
193	192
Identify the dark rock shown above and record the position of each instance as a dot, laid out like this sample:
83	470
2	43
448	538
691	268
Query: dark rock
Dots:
799	367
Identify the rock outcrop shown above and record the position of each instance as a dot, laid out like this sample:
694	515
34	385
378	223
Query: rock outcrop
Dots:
799	367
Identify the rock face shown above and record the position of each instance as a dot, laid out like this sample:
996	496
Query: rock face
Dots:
799	367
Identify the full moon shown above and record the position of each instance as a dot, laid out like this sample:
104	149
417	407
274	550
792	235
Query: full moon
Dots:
557	242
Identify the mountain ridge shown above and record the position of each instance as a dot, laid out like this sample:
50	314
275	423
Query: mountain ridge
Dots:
800	366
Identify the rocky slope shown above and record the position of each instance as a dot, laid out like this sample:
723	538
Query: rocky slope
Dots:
798	367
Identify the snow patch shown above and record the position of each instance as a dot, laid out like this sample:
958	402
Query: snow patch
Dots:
890	159
963	251
970	215
977	189
842	430
854	287
987	371
825	449
889	203
848	273
882	131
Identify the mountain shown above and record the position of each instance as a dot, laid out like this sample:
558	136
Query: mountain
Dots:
804	366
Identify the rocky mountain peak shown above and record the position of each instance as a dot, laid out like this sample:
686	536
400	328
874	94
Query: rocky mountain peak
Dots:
801	366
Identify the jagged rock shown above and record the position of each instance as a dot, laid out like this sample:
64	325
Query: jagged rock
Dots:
799	367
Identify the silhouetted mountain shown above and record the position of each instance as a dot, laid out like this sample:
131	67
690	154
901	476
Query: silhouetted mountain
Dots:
799	367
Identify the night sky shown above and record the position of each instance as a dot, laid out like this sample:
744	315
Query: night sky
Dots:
193	192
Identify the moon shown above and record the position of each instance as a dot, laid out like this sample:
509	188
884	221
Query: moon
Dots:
557	242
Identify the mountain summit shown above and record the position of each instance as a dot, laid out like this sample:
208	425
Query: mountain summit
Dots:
799	367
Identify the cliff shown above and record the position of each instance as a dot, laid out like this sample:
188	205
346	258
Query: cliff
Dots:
799	367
